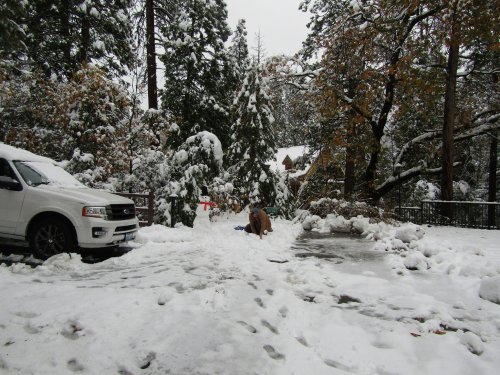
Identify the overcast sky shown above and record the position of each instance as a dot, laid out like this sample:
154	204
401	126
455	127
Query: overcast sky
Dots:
282	25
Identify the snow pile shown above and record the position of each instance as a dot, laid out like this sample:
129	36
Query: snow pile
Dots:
490	289
410	250
338	223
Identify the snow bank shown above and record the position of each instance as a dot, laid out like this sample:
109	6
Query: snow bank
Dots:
411	250
490	289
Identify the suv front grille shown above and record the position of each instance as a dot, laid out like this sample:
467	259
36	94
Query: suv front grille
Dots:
120	211
125	228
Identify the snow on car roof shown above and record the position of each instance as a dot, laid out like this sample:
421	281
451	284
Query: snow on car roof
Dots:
14	153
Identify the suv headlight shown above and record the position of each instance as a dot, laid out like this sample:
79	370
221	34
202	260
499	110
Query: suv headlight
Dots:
94	212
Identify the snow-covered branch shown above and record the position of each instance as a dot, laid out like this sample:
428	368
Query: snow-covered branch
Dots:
481	127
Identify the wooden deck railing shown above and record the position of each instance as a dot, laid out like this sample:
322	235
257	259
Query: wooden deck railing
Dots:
144	206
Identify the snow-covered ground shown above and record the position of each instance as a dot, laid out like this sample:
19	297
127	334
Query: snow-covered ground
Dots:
214	300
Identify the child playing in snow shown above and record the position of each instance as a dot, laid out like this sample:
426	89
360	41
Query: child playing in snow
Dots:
259	222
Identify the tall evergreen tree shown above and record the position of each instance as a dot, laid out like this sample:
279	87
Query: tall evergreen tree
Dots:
253	142
196	93
62	35
11	31
238	52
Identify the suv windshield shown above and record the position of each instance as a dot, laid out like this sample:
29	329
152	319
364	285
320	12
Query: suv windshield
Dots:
37	173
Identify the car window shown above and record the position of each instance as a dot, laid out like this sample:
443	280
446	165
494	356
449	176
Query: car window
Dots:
30	175
37	173
5	170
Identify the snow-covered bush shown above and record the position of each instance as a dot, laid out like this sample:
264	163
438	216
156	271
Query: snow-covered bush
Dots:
197	162
423	190
222	195
82	166
326	206
148	171
29	116
70	120
319	184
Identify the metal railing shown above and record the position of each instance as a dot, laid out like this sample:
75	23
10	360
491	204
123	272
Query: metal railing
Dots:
485	215
144	206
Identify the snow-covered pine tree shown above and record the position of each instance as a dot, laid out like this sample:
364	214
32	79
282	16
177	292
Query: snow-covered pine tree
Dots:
253	145
93	112
196	91
197	162
62	35
144	152
11	31
238	53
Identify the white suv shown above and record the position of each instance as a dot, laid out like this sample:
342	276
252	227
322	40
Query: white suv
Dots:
41	203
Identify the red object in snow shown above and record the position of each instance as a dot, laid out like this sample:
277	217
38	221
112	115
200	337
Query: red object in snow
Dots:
207	204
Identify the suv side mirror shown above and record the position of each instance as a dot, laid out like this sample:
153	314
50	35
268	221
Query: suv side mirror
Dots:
10	184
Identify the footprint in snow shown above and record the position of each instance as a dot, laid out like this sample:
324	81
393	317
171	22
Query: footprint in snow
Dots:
250	328
270	292
271	352
74	365
145	362
124	371
302	340
268	325
252	285
72	330
259	302
165	297
26	314
338	365
31	329
283	311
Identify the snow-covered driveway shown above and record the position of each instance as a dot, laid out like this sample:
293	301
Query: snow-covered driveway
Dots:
216	301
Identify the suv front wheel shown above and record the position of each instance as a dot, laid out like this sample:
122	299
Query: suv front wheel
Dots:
51	236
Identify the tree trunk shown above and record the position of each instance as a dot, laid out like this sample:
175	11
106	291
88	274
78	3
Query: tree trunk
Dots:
350	152
151	55
450	107
85	42
350	162
65	35
492	179
378	132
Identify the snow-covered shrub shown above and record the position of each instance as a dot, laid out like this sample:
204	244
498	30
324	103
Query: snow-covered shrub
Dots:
96	120
462	191
148	170
427	190
319	184
222	195
310	222
424	190
82	166
197	162
29	115
70	120
326	206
